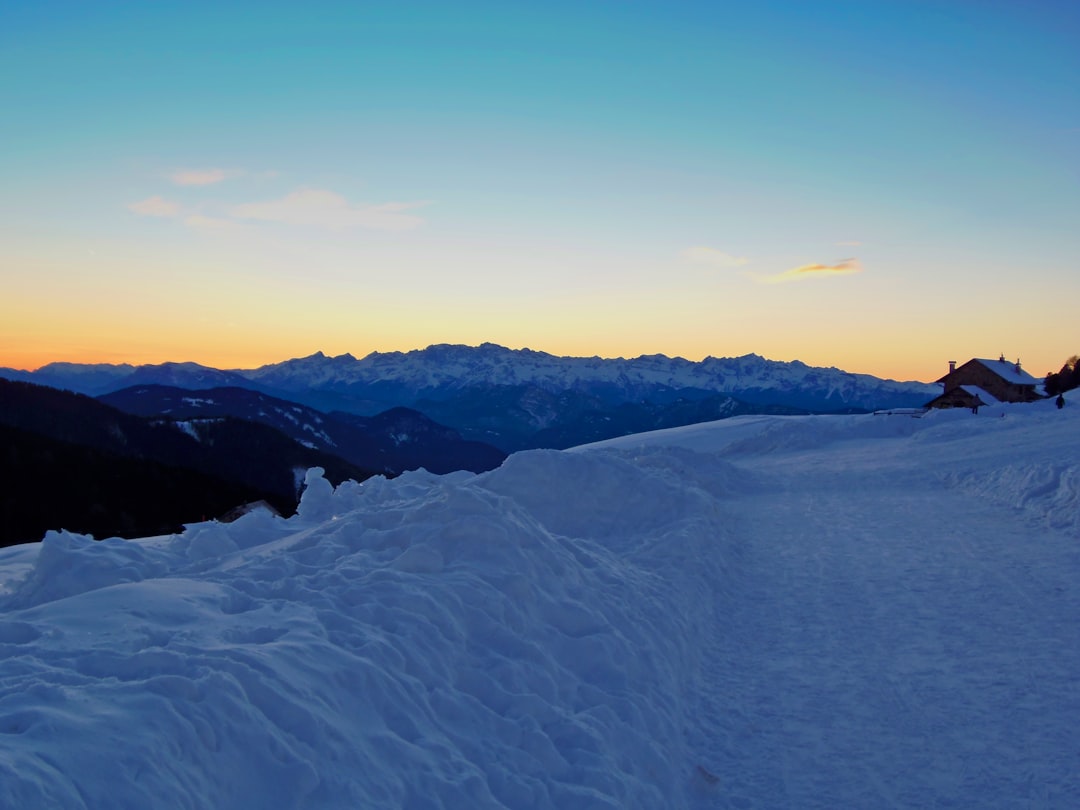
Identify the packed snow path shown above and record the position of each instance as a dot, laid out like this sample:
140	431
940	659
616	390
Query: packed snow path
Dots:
918	658
823	612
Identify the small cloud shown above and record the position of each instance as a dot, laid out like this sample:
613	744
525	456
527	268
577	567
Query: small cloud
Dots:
848	244
199	177
155	207
844	267
326	209
717	258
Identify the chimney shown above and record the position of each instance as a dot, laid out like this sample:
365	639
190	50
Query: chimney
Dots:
952	366
1017	369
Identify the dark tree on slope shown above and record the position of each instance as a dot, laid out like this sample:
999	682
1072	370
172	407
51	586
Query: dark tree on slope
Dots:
1065	380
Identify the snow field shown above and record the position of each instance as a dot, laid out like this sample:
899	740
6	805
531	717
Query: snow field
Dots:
865	611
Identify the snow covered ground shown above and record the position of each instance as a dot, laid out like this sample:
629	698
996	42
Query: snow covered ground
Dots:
834	612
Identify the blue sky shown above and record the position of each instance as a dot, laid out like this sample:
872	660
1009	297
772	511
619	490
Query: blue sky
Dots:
879	186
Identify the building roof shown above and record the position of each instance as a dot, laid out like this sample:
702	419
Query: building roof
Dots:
980	394
965	396
1008	370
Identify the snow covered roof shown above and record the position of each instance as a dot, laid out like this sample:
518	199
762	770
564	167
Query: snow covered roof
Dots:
1009	370
975	391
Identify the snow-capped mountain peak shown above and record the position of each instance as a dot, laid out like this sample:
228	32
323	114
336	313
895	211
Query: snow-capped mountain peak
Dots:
444	367
382	380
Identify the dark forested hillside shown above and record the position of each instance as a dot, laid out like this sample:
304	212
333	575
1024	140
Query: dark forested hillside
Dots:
392	442
52	484
86	446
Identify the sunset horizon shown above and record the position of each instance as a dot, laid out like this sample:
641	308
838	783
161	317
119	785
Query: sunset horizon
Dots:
246	361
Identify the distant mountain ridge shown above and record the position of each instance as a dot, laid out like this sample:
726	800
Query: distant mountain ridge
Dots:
515	399
443	368
382	380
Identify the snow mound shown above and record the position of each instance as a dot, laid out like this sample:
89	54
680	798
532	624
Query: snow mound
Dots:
424	641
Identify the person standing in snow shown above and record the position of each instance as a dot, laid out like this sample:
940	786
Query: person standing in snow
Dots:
1060	401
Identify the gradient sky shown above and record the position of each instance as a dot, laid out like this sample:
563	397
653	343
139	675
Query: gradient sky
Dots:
875	185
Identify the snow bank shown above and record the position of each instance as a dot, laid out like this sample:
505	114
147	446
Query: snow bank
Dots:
515	639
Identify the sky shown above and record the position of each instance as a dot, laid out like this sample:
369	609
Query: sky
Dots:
877	186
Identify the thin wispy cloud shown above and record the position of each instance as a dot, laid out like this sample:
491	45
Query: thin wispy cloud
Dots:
711	256
327	209
155	206
844	267
199	177
848	244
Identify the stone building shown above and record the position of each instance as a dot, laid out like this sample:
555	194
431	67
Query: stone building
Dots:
985	382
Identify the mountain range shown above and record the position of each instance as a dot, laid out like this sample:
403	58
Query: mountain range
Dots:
191	441
520	398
